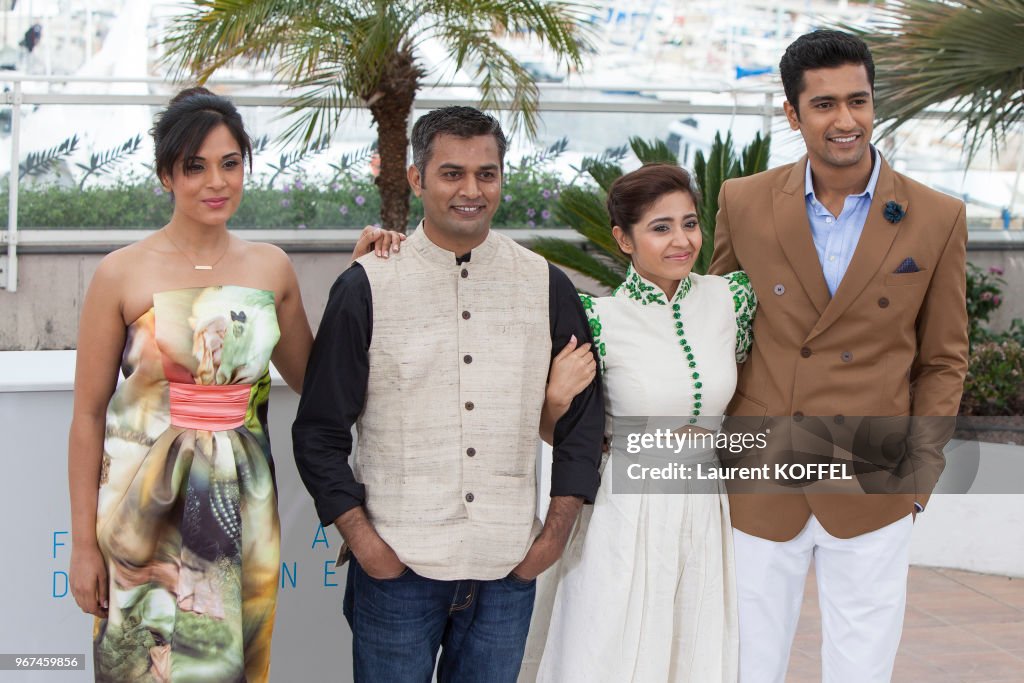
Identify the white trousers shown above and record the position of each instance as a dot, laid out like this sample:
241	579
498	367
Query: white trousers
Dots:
862	592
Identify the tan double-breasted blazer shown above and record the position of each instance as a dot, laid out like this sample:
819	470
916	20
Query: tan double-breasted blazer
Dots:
888	343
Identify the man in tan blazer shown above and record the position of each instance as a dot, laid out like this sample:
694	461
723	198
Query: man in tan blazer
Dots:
860	276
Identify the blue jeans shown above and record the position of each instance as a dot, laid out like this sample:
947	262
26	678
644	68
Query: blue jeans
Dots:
399	624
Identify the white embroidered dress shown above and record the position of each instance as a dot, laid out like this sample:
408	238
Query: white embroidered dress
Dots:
645	591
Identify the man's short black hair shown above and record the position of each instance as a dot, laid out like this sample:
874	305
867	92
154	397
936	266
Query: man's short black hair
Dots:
462	122
823	49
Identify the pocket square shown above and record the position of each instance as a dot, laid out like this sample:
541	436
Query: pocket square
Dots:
907	266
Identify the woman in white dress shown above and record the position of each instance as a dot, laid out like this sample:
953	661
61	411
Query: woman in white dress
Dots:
645	590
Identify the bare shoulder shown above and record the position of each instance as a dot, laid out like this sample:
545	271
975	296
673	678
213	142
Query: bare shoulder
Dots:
270	260
267	253
125	277
122	265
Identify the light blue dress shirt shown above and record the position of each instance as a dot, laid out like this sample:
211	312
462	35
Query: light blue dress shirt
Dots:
836	237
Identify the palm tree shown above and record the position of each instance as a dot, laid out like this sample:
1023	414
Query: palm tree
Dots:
584	209
967	52
341	54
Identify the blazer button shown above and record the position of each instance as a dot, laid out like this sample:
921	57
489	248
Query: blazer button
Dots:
469	497
805	352
839	419
465	273
469	405
779	289
471	452
883	303
467	359
846	356
797	416
465	315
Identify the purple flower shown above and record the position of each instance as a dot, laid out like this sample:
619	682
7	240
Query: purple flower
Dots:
986	296
335	186
159	191
343	209
531	213
546	194
996	300
531	224
995	270
286	188
297	185
508	198
545	214
360	200
286	203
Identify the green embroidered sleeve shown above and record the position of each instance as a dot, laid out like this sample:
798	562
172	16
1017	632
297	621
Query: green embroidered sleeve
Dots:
595	325
745	305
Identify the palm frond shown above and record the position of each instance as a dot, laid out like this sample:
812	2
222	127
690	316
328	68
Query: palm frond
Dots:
720	165
653	152
103	162
754	157
604	168
352	159
569	255
585	212
969	53
217	32
40	163
340	54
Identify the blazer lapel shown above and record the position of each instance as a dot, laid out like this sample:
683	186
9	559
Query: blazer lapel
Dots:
875	241
794	233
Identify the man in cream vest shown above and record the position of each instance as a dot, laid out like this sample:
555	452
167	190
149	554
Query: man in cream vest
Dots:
439	356
860	277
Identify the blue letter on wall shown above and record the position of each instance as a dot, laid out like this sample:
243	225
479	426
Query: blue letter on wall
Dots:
292	575
56	543
64	590
329	572
320	537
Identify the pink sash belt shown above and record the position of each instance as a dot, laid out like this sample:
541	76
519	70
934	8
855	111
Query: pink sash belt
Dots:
213	408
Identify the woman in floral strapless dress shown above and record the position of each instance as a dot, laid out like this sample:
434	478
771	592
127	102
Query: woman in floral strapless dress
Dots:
174	511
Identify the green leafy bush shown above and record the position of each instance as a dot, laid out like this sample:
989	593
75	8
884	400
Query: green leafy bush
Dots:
984	296
290	198
995	379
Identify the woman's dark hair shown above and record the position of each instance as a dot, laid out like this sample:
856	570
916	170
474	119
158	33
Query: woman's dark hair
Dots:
632	194
180	129
822	49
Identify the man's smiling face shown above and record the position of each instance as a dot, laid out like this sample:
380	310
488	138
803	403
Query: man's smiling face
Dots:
460	186
836	115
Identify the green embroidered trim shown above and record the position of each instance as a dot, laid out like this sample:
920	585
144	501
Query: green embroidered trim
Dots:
638	289
745	305
691	362
595	326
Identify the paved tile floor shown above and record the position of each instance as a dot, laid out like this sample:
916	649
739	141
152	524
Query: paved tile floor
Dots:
959	627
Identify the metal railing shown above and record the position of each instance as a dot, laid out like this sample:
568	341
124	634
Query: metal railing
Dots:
758	100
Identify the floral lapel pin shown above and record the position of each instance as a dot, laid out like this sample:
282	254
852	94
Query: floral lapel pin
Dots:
894	212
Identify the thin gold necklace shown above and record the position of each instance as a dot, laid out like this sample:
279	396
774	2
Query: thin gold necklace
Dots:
196	266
